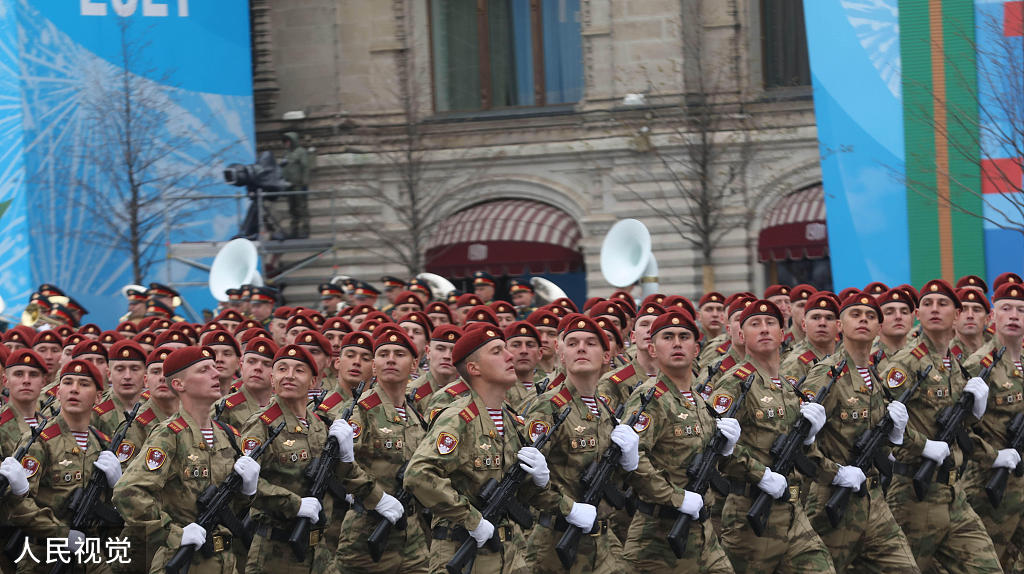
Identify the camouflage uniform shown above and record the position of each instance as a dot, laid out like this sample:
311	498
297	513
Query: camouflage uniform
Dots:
798	366
518	395
615	387
581	439
176	459
12	428
421	389
460	452
727	362
713	351
335	402
282	485
672	432
108	416
383	442
943	527
56	467
767	412
1005	399
239	407
442	399
868	539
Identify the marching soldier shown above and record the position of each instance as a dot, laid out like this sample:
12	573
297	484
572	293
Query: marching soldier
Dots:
48	345
970	325
868	538
523	342
711	309
616	386
821	326
227	356
942	528
25	373
441	372
255	392
590	429
897	319
1006	384
734	349
387	430
471	442
769	410
354	365
675	427
798	297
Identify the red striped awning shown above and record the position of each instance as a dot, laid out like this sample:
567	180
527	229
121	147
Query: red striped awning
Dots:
505	237
795	227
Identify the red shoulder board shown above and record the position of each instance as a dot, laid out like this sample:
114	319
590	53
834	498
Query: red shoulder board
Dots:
458	389
234	431
562	397
50	432
789	337
331	401
236	385
270	415
724	348
102	434
991	329
104	407
145	395
470	412
743	372
957	352
177	425
920	351
660	389
623	374
808	358
7	416
370	401
423	392
558	380
146	417
727	363
52	391
234	400
986	362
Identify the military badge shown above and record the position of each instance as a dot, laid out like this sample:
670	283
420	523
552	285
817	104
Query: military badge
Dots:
537	429
896	378
356	429
721	403
446	443
642	422
155	458
250	444
125	450
31	465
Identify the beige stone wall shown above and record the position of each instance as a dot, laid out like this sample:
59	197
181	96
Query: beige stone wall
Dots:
347	64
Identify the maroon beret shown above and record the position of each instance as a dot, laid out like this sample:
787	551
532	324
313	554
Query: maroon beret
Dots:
180	359
739	304
1009	291
575	322
474	338
394	336
940	287
971	281
762	307
675	318
711	297
158	355
678	302
974	296
1008	277
446	334
468	300
82	368
801	292
297	353
127	350
521	329
26	358
825	301
223	338
875	288
314	339
420	318
262	346
896	295
357	339
652	309
865	299
171	337
89	347
336	324
481	314
543	318
774	290
47	336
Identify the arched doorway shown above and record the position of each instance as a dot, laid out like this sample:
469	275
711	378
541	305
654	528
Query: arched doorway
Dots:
793	243
510	238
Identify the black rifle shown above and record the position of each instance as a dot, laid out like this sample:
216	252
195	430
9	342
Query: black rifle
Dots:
873	368
868	451
500	500
595	480
995	488
23	450
218	409
84	506
703	473
214	509
541	385
951	429
378	539
788	453
712	369
320	473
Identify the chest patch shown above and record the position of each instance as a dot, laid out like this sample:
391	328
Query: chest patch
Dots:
250	444
446	443
538	428
642	422
155	458
721	403
896	378
31	465
125	450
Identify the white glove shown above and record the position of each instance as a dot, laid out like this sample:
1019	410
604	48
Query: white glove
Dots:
977	387
773	483
850	477
899	416
692	503
12	470
628	442
582	515
731	431
76	538
389	507
483	532
533	462
935	450
815	413
1007	458
249	470
193	534
108	463
309	507
342	432
350	499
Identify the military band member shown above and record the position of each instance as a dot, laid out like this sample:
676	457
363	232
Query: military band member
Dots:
484	286
1006	385
255	392
868	539
441	371
675	427
616	386
136	305
590	429
61	460
521	293
392	287
523	341
262	301
387	430
331	298
821	326
769	410
471	442
942	529
184	454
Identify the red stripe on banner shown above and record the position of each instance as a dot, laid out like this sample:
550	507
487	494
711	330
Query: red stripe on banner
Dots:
1013	19
1004	175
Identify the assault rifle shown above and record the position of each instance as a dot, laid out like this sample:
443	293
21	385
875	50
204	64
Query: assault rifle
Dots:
499	500
595	481
787	453
868	451
214	510
23	450
703	473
